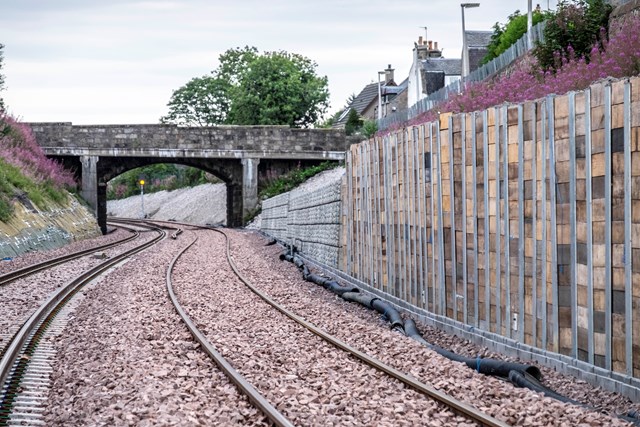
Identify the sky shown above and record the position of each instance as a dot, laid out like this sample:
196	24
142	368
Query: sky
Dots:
118	61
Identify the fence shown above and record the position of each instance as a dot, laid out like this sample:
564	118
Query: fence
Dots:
507	57
521	221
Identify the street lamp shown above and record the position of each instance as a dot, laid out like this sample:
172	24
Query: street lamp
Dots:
380	95
529	26
465	49
142	197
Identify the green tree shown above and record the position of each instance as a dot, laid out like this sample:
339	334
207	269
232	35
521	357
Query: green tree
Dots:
369	128
203	101
234	63
354	123
505	35
248	88
279	88
572	32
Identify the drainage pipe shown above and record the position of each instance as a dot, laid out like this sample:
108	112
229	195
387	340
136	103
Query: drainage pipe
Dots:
484	366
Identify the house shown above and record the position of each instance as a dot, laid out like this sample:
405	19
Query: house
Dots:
430	71
393	98
477	43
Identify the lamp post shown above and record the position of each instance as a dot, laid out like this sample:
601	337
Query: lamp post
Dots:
142	197
380	95
465	49
529	26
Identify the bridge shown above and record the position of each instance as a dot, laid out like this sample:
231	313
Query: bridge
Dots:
239	155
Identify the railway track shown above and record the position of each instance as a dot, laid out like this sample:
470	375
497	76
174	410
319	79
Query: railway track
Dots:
14	275
261	402
25	362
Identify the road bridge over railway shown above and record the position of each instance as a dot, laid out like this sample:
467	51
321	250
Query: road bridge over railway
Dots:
239	155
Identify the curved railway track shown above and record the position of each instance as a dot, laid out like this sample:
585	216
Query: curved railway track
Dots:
18	354
261	402
34	268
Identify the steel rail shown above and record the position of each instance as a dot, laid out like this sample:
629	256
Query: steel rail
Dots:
7	278
36	325
254	395
454	404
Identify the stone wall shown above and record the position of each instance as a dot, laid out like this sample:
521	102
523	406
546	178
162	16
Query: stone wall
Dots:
274	216
32	229
218	141
308	219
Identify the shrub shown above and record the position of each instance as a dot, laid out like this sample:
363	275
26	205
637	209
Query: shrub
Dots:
18	147
507	34
618	57
572	32
292	179
353	124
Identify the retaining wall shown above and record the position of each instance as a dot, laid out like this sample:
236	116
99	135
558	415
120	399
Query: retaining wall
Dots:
31	229
310	220
520	222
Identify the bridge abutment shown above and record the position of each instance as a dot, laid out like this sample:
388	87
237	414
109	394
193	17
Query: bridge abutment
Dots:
249	185
90	181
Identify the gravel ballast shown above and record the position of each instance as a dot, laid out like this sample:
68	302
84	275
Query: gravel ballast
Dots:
127	359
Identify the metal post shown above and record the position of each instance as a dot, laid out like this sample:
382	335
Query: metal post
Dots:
465	50
143	215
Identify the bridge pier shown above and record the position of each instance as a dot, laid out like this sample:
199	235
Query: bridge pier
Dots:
90	181
249	185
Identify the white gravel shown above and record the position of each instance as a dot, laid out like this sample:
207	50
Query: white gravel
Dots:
203	204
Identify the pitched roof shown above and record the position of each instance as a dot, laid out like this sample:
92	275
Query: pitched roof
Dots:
450	66
478	38
370	94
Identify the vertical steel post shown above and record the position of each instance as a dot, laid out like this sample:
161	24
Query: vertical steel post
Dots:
487	229
554	227
545	244
521	231
463	213
572	222
474	183
441	266
607	227
498	227
534	224
628	258
507	230
452	218
589	196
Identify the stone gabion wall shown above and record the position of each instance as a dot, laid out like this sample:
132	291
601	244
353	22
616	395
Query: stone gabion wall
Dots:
274	216
314	223
308	219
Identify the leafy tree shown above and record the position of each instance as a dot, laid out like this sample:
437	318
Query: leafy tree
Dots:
572	32
354	123
505	35
369	128
203	101
248	88
279	88
234	63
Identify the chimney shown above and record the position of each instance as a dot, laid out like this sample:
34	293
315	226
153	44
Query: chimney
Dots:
388	74
420	41
430	45
434	52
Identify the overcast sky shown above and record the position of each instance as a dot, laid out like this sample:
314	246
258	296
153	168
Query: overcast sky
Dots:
118	61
